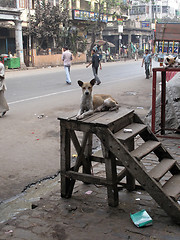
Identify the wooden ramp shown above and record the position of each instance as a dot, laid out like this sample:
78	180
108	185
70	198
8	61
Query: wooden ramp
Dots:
117	132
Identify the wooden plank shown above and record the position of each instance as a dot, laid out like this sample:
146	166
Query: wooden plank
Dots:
161	152
101	160
113	120
99	119
111	176
94	117
172	187
88	178
65	115
121	122
88	152
111	117
65	159
79	161
135	127
121	175
145	149
136	169
162	168
129	177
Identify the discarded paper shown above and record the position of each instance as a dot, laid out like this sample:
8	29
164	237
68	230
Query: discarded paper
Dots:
141	219
127	130
88	192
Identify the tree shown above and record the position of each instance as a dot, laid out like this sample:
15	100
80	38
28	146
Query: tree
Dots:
104	7
50	26
44	25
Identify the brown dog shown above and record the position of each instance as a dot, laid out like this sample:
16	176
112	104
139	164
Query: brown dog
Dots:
97	103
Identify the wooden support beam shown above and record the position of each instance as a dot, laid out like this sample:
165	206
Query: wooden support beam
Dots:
65	160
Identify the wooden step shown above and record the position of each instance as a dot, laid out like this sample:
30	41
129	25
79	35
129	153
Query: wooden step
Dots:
136	129
162	168
172	187
145	149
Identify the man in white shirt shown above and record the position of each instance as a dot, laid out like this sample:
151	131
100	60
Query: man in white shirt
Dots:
67	58
3	104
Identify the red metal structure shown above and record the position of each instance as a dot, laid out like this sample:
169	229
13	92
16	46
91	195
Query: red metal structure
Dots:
163	97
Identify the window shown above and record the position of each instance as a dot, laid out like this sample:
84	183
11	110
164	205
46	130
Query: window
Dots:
73	2
85	5
165	9
137	10
22	3
51	2
156	9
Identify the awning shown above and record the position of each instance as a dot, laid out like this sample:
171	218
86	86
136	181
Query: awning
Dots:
100	42
111	44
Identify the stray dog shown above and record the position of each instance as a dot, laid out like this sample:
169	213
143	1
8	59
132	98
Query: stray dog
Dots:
97	103
170	61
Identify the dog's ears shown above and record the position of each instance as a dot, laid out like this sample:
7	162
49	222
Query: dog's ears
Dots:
80	83
175	57
93	81
167	59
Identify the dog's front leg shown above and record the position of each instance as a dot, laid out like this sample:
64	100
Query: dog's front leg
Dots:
79	114
85	114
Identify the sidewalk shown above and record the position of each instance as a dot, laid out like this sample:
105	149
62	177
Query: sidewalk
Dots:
87	216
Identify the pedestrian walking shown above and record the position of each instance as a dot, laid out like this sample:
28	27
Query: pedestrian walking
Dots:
67	58
147	61
107	55
3	104
96	63
136	54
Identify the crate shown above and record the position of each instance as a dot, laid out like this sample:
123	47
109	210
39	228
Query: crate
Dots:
13	62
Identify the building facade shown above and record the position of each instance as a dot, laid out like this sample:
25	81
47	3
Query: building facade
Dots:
119	29
154	9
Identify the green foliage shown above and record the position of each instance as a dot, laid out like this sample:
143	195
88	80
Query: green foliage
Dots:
50	27
113	7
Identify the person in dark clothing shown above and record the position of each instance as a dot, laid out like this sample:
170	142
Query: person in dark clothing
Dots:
147	61
95	65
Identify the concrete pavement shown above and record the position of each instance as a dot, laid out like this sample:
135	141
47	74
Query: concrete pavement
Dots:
87	215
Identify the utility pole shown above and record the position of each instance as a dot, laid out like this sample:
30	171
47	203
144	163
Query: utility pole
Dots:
30	40
19	38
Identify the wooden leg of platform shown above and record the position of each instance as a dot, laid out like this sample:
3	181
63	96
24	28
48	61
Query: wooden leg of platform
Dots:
88	153
129	178
65	161
111	177
80	159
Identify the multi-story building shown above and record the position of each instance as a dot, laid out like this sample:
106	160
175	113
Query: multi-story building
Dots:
154	9
119	28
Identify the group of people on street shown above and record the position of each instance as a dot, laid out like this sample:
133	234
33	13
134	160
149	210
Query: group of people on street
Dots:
95	62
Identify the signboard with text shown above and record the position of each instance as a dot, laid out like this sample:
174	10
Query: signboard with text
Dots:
86	15
145	24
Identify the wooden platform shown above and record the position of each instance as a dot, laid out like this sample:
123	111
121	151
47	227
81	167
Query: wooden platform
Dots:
117	150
